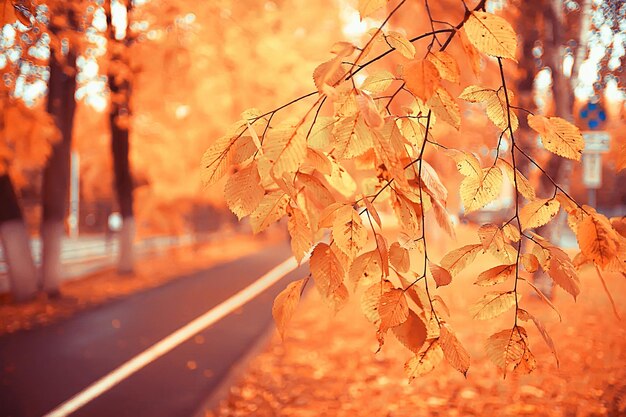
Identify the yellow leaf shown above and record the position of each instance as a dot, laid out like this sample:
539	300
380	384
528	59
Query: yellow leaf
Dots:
478	192
411	333
393	309
369	111
453	350
326	270
432	182
371	210
243	191
320	135
367	7
498	113
597	239
370	300
425	361
352	137
477	94
530	262
446	65
509	349
538	212
386	153
562	271
443	218
381	247
378	82
285	304
339	298
408	216
495	275
491	35
399	257
507	254
421	78
341	180
496	105
271	208
328	73
444	106
523	185
348	231
216	160
401	44
285	148
558	136
492	305
511	232
315	191
490	235
319	161
413	131
365	266
301	236
440	275
456	260
466	163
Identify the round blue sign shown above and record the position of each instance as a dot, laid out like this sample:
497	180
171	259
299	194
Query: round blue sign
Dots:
593	116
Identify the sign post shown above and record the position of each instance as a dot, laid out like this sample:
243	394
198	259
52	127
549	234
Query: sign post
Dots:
597	142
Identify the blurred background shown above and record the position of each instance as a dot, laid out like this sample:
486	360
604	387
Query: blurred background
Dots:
108	105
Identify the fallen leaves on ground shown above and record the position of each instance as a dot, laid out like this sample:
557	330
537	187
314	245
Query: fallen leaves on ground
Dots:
327	365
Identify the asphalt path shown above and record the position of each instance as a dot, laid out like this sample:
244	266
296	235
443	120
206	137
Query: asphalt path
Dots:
43	367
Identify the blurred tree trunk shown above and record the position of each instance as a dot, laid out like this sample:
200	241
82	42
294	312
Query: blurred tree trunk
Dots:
119	77
61	105
528	30
16	244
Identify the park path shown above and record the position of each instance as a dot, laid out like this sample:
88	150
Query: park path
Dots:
43	367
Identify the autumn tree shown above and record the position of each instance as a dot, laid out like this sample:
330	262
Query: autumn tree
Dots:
26	136
304	167
64	26
119	79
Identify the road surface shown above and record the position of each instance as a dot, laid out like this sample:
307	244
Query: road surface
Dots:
42	368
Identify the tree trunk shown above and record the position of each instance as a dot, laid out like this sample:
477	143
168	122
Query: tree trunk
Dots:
16	244
119	114
61	106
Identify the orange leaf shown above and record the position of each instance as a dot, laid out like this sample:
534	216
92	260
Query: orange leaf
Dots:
495	275
538	212
493	304
393	309
440	275
425	361
456	260
453	350
509	349
399	257
411	333
326	270
421	78
285	304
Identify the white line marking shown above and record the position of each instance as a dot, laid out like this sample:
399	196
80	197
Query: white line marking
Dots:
173	340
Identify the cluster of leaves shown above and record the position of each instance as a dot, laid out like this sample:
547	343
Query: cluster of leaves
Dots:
302	169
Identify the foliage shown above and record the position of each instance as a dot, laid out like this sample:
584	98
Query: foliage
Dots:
307	168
